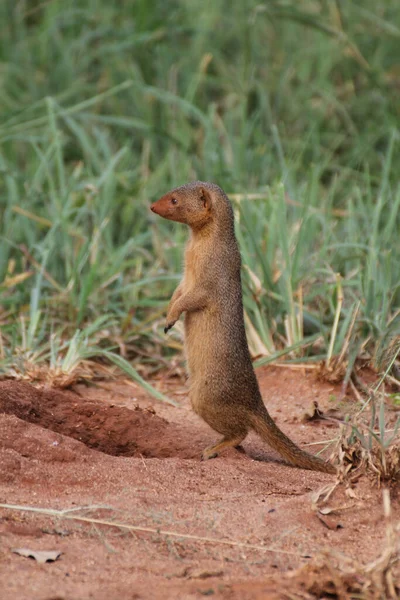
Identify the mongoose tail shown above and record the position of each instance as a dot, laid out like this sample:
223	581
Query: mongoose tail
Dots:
266	428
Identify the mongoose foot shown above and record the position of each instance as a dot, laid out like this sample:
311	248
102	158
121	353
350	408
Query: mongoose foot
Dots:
226	442
208	453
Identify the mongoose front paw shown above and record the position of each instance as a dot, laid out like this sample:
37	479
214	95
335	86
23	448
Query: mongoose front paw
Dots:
169	326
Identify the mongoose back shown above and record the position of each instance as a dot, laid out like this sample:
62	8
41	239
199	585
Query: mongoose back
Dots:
223	386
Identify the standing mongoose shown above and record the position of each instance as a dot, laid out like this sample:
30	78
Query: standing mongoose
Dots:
223	386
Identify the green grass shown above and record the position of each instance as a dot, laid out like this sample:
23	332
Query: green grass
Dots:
104	107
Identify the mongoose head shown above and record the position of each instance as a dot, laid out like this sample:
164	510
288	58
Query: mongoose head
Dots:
195	204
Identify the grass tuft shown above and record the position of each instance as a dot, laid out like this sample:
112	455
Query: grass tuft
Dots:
291	107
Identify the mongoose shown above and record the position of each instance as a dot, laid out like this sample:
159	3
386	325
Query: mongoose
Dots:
222	383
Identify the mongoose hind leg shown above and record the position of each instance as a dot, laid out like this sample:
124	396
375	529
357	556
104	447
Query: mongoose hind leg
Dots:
226	442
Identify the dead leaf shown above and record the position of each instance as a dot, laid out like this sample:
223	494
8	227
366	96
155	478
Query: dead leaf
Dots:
326	510
329	522
41	556
314	413
323	494
335	414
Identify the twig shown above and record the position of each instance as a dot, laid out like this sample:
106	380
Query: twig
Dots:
356	392
393	381
207	540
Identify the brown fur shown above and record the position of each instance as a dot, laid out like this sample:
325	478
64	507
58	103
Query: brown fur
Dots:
223	386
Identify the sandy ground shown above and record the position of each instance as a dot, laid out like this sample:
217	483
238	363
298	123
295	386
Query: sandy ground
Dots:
111	453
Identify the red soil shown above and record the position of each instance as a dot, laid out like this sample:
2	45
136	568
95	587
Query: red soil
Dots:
134	460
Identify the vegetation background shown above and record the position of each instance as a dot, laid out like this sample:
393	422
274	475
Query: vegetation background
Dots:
291	106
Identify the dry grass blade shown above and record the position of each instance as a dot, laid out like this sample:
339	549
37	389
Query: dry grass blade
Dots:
66	514
367	451
336	320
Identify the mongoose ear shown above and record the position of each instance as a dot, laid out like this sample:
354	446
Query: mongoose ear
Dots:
205	198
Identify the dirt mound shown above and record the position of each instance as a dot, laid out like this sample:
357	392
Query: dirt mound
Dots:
108	428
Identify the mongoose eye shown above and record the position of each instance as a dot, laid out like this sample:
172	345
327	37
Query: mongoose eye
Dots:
174	201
